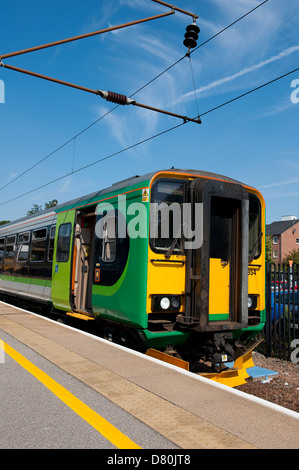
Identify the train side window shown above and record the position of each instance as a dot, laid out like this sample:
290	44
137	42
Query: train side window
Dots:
24	237
10	247
109	239
166	217
2	248
255	234
51	243
39	245
63	243
23	246
111	250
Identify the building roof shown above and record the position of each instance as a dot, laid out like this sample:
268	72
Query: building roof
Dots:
277	228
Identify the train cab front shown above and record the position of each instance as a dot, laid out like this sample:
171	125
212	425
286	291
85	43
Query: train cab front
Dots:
206	266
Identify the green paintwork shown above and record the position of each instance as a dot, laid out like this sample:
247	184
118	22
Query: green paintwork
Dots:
61	272
218	316
162	339
125	301
27	280
107	196
252	330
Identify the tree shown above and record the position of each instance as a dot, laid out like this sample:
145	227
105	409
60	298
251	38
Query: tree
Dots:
293	256
34	209
269	249
37	208
2	222
50	204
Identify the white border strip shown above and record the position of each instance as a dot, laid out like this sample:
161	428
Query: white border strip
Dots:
239	393
20	225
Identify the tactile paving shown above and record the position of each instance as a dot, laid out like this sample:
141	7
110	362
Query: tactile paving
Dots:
176	424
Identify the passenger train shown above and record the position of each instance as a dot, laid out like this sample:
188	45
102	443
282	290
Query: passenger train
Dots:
173	260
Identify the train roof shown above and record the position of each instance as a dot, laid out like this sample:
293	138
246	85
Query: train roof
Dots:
119	185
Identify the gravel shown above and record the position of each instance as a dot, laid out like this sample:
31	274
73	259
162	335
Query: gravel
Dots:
283	389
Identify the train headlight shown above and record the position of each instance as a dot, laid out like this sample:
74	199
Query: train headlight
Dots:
175	303
169	303
249	302
165	303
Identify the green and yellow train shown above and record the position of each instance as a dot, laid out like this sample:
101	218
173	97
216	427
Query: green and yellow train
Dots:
173	260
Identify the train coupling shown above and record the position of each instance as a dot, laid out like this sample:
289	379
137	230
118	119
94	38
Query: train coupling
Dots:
234	375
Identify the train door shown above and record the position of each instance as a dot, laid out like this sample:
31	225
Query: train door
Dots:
224	265
81	285
62	260
217	272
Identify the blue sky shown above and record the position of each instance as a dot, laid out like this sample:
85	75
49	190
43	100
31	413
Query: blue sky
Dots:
254	140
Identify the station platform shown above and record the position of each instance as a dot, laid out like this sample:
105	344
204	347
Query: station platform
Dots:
184	410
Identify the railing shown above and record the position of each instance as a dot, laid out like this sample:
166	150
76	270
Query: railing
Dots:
281	331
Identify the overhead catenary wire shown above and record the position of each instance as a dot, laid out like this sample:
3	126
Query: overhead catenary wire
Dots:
58	148
82	36
101	31
150	138
200	45
133	94
194	87
99	93
229	26
249	92
94	163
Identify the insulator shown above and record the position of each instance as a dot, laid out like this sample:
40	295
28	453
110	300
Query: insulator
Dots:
116	98
191	35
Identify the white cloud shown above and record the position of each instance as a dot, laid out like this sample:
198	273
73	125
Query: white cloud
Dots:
65	186
12	176
266	112
281	183
239	74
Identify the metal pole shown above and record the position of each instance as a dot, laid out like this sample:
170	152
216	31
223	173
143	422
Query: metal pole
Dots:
123	100
38	75
268	310
185	118
82	36
96	92
176	8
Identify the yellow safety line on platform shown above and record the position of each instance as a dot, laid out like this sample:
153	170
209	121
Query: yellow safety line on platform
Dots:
109	431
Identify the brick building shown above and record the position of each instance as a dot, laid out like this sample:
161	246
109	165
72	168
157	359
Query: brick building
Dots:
285	237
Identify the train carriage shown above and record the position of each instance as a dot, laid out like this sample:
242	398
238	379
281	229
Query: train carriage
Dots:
173	260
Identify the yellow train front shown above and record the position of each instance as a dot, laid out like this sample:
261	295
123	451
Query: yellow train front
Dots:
206	275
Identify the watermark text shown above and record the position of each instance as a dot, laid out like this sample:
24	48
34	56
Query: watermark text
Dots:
2	92
295	93
174	223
